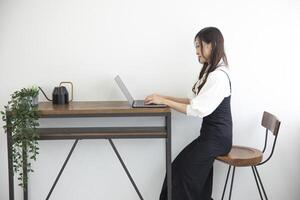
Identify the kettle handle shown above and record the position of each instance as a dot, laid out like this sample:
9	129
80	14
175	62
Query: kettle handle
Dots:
71	88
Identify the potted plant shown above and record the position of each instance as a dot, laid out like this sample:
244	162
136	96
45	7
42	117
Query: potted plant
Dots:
23	123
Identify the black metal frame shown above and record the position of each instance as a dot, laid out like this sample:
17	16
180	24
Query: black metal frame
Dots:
44	135
62	169
256	175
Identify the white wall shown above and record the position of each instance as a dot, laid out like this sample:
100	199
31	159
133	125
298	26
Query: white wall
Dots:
150	44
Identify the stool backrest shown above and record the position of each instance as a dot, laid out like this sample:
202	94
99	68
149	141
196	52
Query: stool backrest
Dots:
270	122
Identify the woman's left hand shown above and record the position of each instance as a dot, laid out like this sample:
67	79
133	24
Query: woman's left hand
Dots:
154	98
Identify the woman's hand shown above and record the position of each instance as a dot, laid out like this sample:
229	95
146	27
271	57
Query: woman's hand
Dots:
154	98
160	99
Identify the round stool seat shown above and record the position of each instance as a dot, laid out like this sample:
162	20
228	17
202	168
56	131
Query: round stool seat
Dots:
242	156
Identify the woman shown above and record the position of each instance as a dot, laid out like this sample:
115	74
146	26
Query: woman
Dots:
192	169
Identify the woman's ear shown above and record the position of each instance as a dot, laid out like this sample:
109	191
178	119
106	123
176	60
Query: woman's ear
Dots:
207	46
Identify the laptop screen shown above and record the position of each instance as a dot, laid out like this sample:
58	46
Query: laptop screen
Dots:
124	89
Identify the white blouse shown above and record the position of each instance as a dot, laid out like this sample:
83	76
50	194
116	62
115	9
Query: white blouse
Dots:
216	88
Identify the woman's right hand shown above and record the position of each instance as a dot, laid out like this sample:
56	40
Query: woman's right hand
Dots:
154	98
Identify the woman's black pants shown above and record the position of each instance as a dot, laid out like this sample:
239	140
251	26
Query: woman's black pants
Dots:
192	171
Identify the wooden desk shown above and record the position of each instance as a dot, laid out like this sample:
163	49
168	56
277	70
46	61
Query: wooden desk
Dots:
96	109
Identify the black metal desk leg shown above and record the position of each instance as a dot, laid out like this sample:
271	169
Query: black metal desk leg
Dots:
125	168
168	156
10	161
25	174
62	169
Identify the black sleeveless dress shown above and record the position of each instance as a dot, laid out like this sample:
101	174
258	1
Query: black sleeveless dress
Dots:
192	169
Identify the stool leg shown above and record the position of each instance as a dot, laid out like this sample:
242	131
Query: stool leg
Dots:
257	184
229	168
231	182
262	186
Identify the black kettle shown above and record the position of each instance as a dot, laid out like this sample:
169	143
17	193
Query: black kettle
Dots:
60	94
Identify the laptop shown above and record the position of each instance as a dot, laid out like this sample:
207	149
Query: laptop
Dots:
131	101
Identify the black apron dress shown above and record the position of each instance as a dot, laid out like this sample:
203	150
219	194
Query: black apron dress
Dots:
192	169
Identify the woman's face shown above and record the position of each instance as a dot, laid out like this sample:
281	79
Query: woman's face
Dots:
204	55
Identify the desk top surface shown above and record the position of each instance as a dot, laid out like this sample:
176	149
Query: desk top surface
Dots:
82	108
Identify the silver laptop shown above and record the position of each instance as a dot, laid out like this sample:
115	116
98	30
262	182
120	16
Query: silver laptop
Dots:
132	102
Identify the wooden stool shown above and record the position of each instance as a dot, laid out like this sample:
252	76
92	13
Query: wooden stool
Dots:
240	156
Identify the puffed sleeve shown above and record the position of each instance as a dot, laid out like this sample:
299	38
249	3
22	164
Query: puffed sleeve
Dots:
210	96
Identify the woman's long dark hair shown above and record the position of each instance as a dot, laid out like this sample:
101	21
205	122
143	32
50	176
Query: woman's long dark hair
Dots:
214	36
